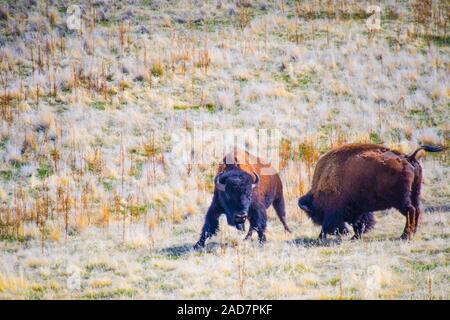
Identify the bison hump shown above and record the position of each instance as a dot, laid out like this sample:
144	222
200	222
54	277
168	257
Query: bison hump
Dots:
247	162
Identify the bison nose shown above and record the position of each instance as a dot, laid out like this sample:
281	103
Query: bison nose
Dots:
240	217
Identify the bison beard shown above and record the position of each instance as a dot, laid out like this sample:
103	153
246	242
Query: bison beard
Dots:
353	181
244	189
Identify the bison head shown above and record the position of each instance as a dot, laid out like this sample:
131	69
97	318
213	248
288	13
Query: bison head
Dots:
235	196
305	203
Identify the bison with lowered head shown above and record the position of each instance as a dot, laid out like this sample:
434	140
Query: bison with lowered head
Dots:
245	187
352	181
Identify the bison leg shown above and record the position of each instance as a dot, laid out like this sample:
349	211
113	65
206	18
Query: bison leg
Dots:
339	232
262	224
363	224
410	192
322	235
358	229
250	233
418	212
253	219
333	224
410	213
210	227
415	198
278	205
258	221
262	236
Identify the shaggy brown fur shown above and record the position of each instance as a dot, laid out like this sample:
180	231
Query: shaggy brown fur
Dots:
236	174
352	181
270	185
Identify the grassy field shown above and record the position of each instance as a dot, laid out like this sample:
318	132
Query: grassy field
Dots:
96	201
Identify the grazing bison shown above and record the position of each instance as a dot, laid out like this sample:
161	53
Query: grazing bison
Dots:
352	181
245	187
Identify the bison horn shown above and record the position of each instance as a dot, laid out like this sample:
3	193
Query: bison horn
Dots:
219	186
254	185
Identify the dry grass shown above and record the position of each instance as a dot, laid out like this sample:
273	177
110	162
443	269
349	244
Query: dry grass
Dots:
89	164
157	263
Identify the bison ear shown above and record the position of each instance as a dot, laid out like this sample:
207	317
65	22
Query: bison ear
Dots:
219	186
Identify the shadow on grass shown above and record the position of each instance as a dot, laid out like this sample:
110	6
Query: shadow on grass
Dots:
312	242
177	251
433	209
185	249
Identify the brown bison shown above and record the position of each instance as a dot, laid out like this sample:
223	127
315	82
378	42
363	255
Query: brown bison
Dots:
352	181
245	186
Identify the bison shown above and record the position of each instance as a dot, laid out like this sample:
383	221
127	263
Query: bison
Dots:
353	181
245	186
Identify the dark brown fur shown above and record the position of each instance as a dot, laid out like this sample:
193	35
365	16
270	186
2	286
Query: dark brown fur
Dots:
352	181
269	191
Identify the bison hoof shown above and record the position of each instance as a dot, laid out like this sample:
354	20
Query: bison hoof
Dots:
199	246
355	237
404	236
288	229
322	236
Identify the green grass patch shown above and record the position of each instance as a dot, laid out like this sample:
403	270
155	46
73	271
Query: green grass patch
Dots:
375	138
45	170
412	88
322	14
157	70
301	81
9	233
138	210
304	80
138	169
37	292
418	112
107	184
210	107
109	294
423	267
163	266
115	51
166	287
186	107
296	268
441	41
6	175
98	266
3	143
99	105
334	281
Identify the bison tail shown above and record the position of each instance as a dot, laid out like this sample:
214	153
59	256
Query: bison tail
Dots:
305	203
428	148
